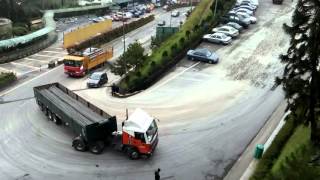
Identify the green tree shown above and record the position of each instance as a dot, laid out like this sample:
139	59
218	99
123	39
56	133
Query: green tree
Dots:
133	58
301	73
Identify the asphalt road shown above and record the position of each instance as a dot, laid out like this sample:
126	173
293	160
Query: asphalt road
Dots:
208	114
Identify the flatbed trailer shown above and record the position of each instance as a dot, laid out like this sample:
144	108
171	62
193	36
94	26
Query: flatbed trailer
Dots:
93	127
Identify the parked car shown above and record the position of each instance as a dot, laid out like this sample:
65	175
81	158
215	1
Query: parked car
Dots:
243	10
204	55
252	19
175	14
218	38
235	25
161	23
227	30
97	79
250	8
236	19
253	2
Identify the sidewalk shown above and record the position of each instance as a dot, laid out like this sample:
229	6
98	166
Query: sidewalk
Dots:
245	165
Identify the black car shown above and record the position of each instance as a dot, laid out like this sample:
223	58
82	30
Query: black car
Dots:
161	23
97	79
225	19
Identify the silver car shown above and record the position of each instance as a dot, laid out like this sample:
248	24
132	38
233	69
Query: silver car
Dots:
242	15
203	54
218	38
227	30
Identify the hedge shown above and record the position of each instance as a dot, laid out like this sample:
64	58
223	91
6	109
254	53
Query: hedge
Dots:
271	155
113	34
174	48
6	79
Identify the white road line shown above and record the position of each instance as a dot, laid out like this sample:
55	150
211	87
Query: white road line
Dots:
4	69
19	64
18	86
57	52
59	48
173	77
47	56
31	59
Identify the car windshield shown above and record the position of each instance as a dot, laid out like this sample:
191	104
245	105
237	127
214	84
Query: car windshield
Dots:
152	130
72	63
95	76
223	36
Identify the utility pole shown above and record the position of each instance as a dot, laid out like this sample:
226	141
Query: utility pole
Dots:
215	8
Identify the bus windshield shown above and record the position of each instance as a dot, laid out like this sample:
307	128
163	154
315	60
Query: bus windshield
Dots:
152	130
72	63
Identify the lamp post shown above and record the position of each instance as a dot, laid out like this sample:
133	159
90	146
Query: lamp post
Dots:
215	7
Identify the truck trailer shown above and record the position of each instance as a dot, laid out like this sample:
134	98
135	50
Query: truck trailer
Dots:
93	127
79	63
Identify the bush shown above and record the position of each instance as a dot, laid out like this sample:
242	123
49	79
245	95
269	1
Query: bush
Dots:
270	156
19	30
6	79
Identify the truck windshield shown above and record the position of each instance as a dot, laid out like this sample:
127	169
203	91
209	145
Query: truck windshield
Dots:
72	63
152	130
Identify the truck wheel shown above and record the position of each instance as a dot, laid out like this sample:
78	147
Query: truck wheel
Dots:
56	119
50	115
96	147
133	154
79	144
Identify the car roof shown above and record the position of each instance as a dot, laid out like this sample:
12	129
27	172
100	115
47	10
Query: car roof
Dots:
202	50
219	33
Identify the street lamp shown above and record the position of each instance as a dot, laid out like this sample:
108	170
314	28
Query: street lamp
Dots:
215	8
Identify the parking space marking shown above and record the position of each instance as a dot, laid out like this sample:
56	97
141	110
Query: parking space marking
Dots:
47	56
31	59
19	64
57	52
58	48
173	77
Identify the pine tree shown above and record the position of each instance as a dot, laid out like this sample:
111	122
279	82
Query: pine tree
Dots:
301	73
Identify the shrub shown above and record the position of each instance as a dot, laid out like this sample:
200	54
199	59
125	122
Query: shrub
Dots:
6	79
19	30
268	159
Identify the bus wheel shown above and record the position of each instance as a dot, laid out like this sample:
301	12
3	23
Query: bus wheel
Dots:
96	147
78	144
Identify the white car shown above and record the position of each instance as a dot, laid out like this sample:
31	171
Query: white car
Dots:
253	2
253	19
218	38
244	11
227	30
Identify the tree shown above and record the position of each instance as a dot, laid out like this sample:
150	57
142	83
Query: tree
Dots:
133	58
301	73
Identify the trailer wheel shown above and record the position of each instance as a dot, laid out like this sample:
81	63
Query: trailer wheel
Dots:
96	147
56	119
133	153
50	115
78	144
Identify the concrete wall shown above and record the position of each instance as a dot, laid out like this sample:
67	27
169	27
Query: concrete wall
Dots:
5	28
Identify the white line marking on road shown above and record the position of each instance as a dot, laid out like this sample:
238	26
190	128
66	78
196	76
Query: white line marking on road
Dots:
59	48
19	64
14	88
47	56
57	52
31	59
173	77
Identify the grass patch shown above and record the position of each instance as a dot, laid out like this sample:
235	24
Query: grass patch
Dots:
298	139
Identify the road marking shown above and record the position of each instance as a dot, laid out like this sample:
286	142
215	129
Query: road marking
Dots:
47	56
31	59
19	64
173	77
4	69
57	52
59	48
18	86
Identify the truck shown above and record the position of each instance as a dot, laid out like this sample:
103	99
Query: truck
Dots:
277	1
79	63
93	128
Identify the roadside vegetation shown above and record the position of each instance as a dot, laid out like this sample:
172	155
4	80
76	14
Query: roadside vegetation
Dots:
6	79
174	48
295	152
